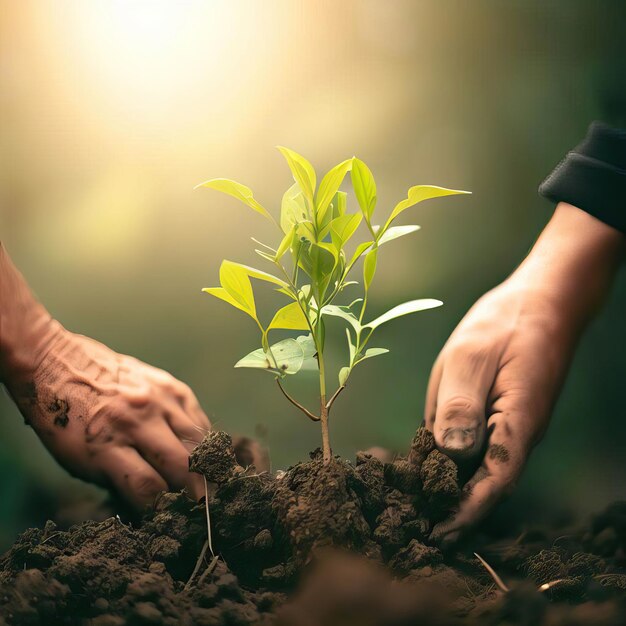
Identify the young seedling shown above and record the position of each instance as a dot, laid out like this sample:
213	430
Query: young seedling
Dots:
311	266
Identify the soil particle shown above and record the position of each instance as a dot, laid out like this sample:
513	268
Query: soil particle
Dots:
215	458
61	408
585	565
422	445
498	453
370	471
391	525
440	483
545	567
264	541
414	556
403	476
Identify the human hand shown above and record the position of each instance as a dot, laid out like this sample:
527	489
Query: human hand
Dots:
494	385
109	418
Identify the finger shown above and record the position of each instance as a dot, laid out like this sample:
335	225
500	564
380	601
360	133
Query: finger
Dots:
431	393
190	431
131	476
502	465
460	422
165	452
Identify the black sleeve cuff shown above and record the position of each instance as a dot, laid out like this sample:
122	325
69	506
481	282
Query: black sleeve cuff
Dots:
592	177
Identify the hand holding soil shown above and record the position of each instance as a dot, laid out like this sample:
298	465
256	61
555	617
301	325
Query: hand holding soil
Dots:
106	417
495	383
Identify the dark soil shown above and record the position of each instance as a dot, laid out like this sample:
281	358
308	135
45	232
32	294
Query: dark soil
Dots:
316	545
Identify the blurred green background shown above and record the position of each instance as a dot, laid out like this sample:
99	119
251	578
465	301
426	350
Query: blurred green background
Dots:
111	111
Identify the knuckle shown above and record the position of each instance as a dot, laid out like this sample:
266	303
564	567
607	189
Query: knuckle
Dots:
459	406
144	484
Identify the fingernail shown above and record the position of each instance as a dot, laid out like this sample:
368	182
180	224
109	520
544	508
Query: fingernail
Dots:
460	440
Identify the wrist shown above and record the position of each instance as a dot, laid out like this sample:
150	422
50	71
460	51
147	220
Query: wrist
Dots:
27	330
571	266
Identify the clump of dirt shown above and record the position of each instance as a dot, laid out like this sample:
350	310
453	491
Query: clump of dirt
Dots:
276	541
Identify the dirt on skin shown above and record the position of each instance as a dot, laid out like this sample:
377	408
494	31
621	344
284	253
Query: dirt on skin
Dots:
316	545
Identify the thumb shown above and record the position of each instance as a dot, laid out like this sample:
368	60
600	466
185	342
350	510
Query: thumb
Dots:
460	422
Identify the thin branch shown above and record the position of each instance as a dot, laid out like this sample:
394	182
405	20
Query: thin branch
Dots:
330	403
499	582
306	411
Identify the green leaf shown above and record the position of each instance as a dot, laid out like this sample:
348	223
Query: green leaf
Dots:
255	359
235	280
340	203
396	231
286	243
344	313
372	352
259	274
349	283
328	188
303	172
420	193
236	190
286	292
308	345
342	228
324	259
286	357
364	187
360	250
290	317
222	294
344	372
293	209
404	309
369	267
265	255
310	352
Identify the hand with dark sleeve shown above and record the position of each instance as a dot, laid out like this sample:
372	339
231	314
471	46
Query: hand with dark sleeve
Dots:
494	385
106	417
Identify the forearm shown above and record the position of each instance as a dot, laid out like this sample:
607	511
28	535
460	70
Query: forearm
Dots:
26	328
572	265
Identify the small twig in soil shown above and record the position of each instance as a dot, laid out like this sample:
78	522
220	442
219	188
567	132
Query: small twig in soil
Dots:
50	537
208	544
549	585
496	579
306	411
208	516
198	563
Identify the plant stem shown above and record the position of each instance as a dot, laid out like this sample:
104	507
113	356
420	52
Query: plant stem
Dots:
327	453
293	401
363	306
330	403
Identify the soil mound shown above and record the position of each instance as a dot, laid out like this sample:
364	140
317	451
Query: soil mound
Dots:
318	544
